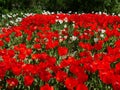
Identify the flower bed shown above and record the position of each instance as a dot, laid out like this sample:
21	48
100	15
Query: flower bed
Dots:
61	52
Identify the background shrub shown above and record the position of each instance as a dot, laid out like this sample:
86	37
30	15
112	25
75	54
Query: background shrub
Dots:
85	6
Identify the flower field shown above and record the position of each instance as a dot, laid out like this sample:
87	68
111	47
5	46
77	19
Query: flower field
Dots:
61	52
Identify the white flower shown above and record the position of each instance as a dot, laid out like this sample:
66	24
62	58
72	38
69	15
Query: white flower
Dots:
21	13
100	12
52	13
65	26
102	31
9	16
65	37
18	19
60	40
12	22
73	25
95	39
102	35
14	15
60	21
7	24
70	12
105	13
60	37
73	38
3	16
75	12
113	14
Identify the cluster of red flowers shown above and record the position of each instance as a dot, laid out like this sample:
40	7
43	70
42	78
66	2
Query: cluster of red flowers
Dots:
60	51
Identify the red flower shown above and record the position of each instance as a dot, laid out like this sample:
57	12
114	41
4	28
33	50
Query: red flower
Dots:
35	56
76	69
1	43
81	87
43	56
2	74
27	69
61	76
86	46
45	75
62	51
116	82
64	63
28	80
12	82
28	51
51	60
16	70
117	68
116	86
106	76
22	56
51	44
98	46
71	83
37	46
46	87
79	72
11	53
7	39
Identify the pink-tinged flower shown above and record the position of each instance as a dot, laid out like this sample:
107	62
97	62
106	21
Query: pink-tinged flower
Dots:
62	51
116	86
12	82
116	82
28	80
46	87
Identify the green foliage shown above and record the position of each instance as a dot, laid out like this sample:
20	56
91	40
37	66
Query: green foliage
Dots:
116	9
109	6
19	5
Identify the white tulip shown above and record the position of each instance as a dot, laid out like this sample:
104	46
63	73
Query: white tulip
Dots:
95	39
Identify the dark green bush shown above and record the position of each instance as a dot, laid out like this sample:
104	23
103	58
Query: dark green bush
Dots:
86	6
109	6
19	5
